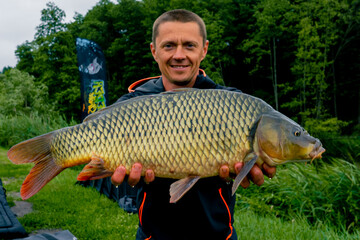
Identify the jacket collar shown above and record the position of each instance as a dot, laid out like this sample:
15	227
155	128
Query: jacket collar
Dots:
158	86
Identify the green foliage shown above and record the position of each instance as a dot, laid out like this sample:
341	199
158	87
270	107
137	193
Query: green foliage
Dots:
53	61
299	56
253	226
330	127
325	195
51	58
14	129
25	110
343	147
19	94
52	19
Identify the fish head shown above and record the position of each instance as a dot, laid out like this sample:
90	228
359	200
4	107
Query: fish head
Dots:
279	139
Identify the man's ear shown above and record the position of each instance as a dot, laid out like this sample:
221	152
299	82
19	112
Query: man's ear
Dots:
153	51
205	49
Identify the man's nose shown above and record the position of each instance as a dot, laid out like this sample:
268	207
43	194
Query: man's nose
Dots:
179	53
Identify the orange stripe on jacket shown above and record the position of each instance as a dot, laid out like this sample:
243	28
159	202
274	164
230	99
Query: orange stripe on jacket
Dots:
227	207
141	81
140	212
138	82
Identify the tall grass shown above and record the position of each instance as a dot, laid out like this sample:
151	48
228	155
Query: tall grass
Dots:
344	147
326	194
17	128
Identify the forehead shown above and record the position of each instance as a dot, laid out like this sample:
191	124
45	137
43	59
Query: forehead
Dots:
188	31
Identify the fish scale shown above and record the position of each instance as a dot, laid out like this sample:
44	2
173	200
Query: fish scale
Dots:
220	140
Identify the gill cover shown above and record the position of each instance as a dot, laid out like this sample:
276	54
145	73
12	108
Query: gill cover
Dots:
280	140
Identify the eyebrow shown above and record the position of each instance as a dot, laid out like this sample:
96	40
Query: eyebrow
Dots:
175	43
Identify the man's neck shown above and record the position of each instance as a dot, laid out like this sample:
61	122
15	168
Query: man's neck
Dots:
168	86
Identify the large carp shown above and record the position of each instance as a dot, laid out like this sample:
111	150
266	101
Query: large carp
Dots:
183	135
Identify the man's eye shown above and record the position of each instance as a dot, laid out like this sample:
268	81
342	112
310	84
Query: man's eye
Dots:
168	46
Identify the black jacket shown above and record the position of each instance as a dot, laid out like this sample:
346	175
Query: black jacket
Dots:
205	212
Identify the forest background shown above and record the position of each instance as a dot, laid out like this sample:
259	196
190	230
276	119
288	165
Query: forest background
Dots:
302	57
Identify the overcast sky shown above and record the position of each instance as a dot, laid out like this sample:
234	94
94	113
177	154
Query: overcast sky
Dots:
19	18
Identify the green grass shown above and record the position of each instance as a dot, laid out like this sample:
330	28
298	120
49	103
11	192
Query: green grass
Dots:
83	211
289	206
63	205
251	226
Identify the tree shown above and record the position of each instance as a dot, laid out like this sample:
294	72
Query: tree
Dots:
51	59
52	19
300	56
271	23
319	30
55	65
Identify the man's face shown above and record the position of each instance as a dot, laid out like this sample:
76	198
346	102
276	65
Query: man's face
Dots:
179	50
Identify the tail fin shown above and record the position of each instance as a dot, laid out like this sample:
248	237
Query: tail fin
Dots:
35	150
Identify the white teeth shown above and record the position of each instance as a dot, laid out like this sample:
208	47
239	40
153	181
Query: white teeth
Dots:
179	66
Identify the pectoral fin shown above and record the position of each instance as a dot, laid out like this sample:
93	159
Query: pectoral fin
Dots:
242	174
94	170
182	186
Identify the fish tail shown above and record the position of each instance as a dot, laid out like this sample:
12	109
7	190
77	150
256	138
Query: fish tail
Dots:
36	150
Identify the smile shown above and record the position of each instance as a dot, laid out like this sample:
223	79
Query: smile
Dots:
179	66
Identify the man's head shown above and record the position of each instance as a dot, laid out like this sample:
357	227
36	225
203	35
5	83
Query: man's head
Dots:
179	45
179	15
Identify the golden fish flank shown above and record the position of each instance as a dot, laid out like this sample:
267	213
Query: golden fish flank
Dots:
178	134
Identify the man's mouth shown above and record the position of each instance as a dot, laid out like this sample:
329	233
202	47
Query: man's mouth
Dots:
179	66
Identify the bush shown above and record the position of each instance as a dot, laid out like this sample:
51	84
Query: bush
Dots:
20	94
330	127
25	111
325	194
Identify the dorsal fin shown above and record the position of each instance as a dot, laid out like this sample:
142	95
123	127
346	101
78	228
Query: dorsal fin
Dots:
177	90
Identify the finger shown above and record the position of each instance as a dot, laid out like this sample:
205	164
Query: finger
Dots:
257	175
245	183
149	176
135	174
224	171
269	171
238	167
118	177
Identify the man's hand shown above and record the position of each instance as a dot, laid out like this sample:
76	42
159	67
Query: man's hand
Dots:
256	174
134	177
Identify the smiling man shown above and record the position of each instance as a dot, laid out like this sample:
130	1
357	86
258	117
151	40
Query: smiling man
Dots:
179	44
178	48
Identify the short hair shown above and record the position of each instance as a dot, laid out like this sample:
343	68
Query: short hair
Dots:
179	15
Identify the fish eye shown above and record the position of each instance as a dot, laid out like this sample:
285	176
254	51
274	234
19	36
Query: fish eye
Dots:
297	133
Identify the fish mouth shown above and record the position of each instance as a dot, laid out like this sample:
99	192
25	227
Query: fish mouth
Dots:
317	151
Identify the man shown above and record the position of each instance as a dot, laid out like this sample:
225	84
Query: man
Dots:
206	212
